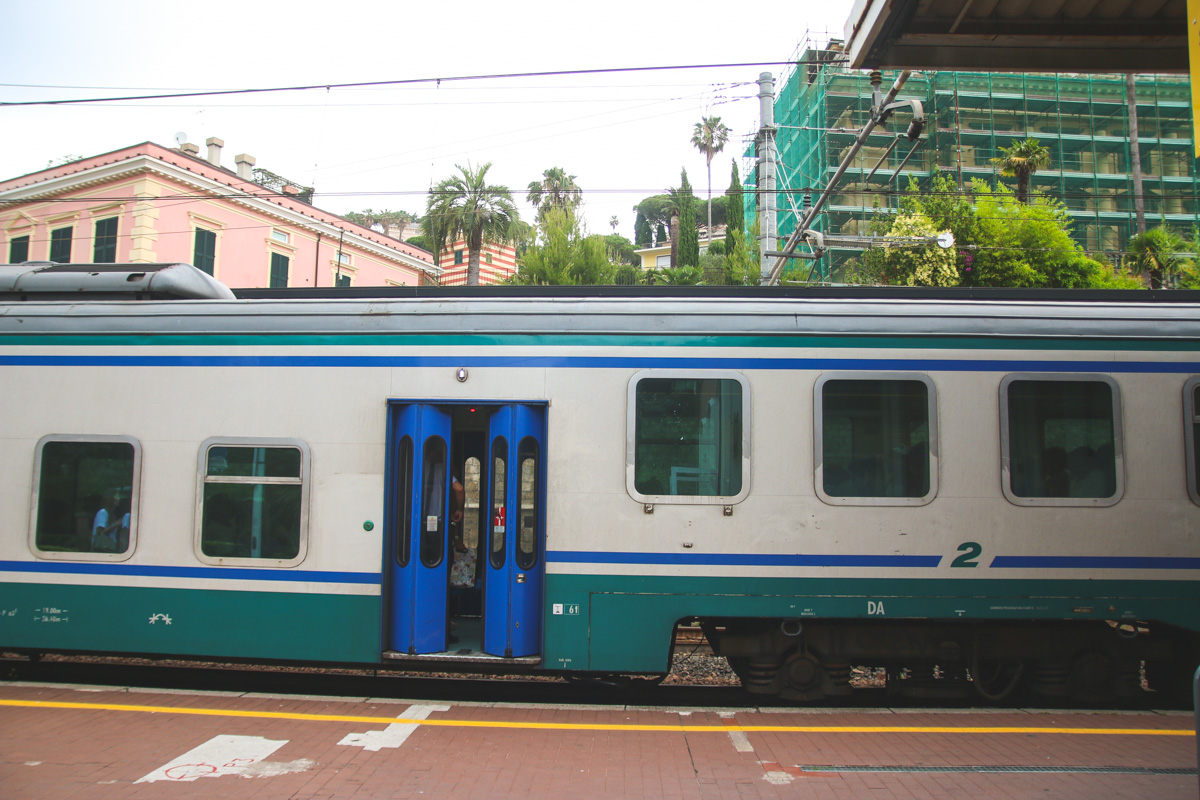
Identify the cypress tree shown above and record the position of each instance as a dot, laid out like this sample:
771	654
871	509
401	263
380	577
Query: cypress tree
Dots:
641	230
735	212
689	238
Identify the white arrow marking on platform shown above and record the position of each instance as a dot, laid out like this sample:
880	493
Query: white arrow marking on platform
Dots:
393	735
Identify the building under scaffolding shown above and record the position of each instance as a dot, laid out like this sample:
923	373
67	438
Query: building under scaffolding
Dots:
1081	119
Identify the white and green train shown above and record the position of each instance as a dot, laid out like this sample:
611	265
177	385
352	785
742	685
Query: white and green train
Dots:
1001	486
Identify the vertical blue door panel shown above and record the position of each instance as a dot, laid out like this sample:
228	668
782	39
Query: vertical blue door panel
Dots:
516	494
416	519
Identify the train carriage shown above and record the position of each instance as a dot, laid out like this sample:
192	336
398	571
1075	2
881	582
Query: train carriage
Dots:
969	489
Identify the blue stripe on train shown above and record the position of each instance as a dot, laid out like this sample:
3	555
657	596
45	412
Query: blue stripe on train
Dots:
601	362
741	559
1095	562
223	573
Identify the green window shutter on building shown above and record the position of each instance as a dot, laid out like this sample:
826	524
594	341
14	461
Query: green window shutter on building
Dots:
279	271
204	252
104	248
18	249
60	244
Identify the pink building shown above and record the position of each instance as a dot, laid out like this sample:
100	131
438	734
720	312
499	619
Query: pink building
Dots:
148	203
497	263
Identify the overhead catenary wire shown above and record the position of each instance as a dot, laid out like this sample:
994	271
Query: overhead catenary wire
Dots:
396	82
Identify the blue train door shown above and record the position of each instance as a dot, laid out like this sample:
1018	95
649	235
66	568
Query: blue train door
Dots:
516	515
500	613
417	519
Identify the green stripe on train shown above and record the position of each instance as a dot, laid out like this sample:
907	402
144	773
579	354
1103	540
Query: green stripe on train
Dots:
597	340
191	622
623	623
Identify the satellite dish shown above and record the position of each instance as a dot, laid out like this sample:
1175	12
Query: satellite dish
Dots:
945	240
180	138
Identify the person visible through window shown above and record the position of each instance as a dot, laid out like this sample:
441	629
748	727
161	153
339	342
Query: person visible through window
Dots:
106	525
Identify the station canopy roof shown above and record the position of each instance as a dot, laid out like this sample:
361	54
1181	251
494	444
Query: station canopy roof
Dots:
1020	35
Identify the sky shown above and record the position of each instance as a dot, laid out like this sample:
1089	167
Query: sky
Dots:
623	135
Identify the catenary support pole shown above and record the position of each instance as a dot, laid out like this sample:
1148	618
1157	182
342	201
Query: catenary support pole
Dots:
766	171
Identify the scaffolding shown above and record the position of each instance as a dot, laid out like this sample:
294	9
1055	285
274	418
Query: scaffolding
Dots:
1082	119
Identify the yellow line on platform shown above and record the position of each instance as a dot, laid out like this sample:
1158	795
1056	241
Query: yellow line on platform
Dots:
589	726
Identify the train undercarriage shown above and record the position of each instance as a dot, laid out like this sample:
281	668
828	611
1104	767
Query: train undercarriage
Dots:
1081	663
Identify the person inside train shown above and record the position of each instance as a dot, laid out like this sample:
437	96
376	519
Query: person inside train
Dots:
106	524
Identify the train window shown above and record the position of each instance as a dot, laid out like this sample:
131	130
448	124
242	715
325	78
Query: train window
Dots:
499	492
433	502
253	502
1061	440
875	438
1191	407
687	439
85	497
527	531
403	509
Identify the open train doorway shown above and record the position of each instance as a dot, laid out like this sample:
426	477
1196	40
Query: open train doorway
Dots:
464	523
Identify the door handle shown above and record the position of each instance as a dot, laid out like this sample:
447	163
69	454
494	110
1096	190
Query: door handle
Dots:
520	577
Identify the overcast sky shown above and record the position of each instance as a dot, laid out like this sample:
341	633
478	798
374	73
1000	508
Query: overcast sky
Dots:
624	136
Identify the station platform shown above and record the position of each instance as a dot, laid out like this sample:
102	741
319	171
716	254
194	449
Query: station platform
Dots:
72	741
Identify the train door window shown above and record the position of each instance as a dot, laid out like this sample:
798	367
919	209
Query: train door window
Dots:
875	439
471	488
1191	407
85	497
253	502
527	531
1061	440
433	502
403	510
499	522
687	437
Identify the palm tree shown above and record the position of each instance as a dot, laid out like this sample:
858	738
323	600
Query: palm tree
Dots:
709	137
1020	161
466	206
1160	253
613	223
556	189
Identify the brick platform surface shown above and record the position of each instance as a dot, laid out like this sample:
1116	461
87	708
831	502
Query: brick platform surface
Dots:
76	742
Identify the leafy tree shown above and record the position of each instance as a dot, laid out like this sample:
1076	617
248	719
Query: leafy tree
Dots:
924	265
643	235
419	241
565	255
657	211
1021	161
1160	254
369	218
556	189
620	250
466	206
660	234
735	212
1021	244
709	136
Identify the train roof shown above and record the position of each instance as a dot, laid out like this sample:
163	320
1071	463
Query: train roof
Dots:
508	311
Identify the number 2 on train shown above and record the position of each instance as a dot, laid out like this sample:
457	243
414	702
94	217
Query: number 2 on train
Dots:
970	552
